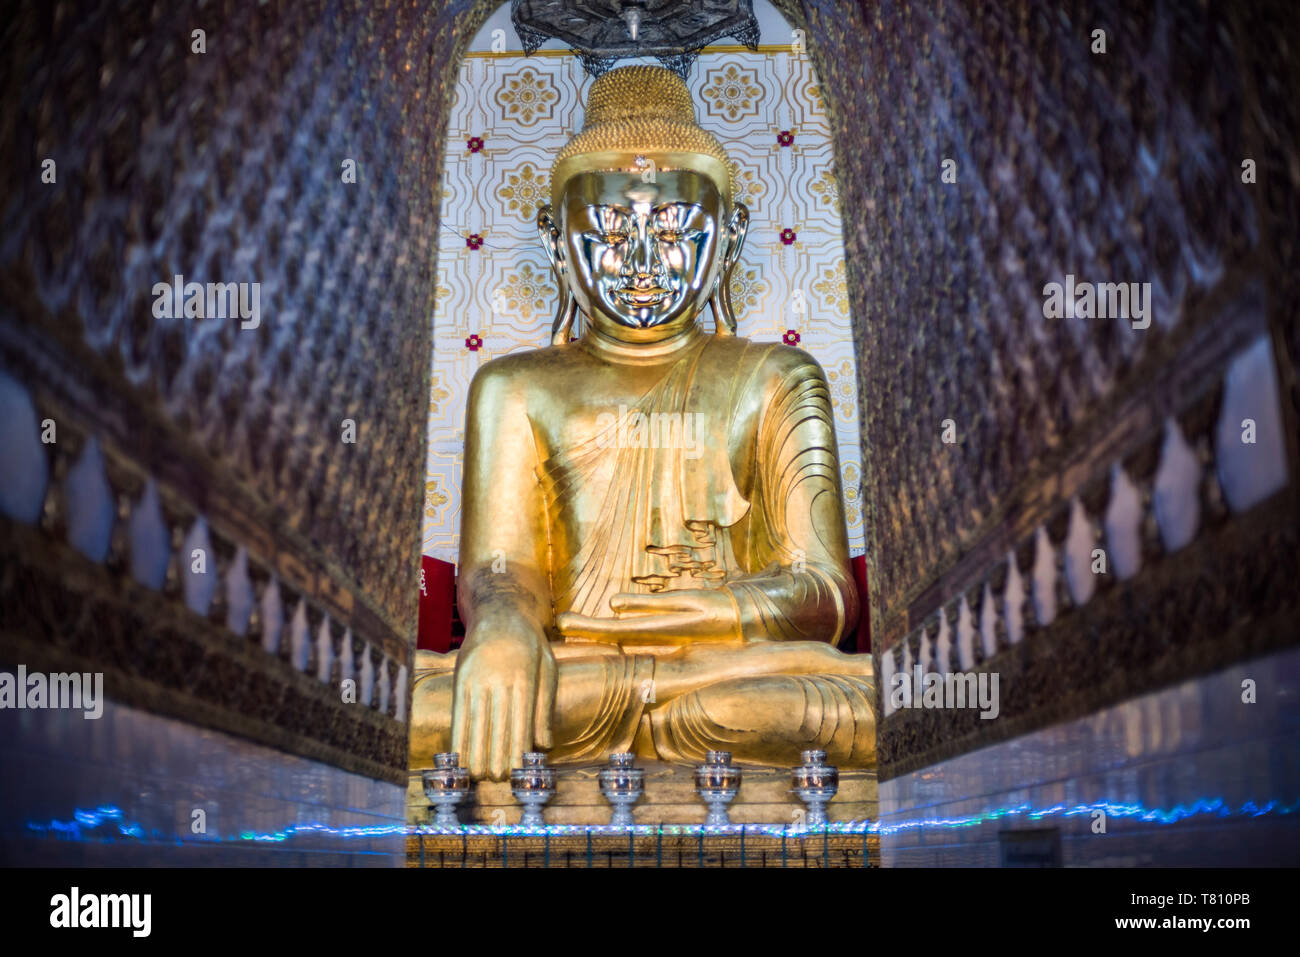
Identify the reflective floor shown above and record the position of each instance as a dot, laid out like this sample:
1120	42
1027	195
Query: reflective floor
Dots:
133	788
1192	775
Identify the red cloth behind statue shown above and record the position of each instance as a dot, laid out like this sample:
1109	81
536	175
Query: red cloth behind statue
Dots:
859	564
437	596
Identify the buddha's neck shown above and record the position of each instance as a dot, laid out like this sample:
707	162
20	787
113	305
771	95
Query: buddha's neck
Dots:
649	352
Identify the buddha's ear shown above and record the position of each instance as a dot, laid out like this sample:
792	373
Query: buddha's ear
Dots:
549	233
553	243
724	316
737	229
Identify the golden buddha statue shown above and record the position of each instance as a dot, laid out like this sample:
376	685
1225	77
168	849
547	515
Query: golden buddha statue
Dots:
653	555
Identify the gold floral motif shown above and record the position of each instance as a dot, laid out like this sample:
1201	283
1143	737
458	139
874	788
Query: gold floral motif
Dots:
827	190
732	92
749	188
527	97
852	513
526	292
834	289
526	189
841	381
434	498
437	395
746	289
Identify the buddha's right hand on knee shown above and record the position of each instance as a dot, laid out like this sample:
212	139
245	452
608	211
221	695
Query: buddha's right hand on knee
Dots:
504	692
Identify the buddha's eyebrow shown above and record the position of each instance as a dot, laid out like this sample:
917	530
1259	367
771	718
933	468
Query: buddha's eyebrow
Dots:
627	210
684	210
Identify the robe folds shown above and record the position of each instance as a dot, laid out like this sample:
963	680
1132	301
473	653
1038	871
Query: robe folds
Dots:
722	474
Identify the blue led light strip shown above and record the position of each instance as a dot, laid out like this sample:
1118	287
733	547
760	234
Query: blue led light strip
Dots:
108	822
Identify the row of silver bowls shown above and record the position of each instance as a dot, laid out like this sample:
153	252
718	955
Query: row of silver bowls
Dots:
717	781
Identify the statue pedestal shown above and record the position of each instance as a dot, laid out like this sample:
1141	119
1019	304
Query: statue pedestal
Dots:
765	798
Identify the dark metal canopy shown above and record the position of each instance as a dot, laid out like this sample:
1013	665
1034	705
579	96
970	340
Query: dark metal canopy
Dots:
602	32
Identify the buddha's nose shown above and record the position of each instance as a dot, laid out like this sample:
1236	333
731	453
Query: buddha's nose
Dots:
644	261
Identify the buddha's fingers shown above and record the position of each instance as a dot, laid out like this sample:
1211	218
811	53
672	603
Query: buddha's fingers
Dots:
546	681
500	739
681	625
521	732
632	603
462	721
476	759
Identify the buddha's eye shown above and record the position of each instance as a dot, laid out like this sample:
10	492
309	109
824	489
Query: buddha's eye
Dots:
608	238
670	235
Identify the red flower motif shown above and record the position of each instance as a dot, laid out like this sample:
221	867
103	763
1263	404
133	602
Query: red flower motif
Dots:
474	241
785	138
475	143
788	236
791	337
473	341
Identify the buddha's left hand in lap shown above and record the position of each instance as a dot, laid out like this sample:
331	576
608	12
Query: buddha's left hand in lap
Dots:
687	615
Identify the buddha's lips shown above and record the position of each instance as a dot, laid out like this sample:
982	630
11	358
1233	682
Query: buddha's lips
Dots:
642	297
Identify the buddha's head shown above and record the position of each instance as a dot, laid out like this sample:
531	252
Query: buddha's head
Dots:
642	230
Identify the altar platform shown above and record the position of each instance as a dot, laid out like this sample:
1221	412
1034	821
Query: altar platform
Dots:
768	826
666	846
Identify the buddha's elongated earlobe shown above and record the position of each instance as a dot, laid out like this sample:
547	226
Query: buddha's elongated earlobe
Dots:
562	324
567	308
724	323
724	316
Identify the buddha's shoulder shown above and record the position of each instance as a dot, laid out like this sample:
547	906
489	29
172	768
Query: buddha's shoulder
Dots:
764	358
525	370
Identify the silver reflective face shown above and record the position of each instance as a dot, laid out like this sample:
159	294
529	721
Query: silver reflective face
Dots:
642	254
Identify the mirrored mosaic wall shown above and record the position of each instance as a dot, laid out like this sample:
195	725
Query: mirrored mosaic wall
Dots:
221	512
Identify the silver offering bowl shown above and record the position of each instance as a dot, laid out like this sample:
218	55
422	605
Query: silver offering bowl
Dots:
533	785
446	785
621	785
816	783
717	780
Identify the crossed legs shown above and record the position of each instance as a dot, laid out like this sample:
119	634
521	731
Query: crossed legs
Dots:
763	701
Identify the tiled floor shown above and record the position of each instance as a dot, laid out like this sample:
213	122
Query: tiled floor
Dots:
1183	776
